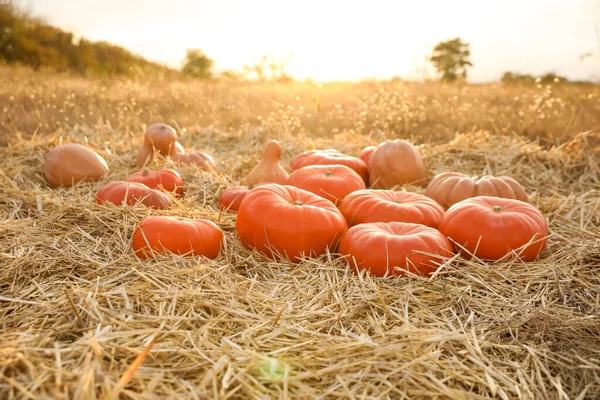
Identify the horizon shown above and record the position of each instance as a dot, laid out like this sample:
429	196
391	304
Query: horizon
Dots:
333	41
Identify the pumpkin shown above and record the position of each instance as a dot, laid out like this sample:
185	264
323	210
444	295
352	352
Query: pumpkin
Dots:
388	248
365	206
329	157
269	168
332	182
231	198
202	160
132	193
448	188
365	154
396	162
161	137
184	236
285	221
164	179
492	227
145	156
71	163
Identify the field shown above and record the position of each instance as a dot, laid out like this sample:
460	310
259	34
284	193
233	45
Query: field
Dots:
77	307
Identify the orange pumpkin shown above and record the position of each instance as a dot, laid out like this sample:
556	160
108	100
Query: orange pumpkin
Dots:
231	198
366	153
161	137
396	162
132	193
330	157
164	235
269	168
332	182
492	227
365	206
284	221
203	161
448	188
71	163
389	248
164	179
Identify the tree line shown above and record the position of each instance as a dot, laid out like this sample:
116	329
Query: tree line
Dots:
29	41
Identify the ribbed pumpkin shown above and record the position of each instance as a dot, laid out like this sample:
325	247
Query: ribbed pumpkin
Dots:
132	193
448	188
395	163
366	206
366	153
332	182
330	157
390	248
165	179
285	221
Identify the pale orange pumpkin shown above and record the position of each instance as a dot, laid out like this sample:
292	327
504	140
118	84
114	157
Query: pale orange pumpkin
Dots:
160	136
199	159
70	163
449	188
269	168
396	162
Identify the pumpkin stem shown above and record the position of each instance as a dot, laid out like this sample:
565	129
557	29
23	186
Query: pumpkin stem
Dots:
328	174
145	172
297	203
497	208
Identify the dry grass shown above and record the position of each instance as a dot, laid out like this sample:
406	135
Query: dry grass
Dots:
79	312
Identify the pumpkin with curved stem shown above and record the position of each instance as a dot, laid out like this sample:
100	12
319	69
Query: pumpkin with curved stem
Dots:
365	206
132	193
269	168
164	179
391	248
71	163
448	188
284	221
332	182
492	227
184	236
366	153
394	163
330	157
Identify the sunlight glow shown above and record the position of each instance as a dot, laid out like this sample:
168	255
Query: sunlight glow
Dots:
339	40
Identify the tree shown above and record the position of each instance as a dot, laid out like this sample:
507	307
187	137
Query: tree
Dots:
451	59
197	64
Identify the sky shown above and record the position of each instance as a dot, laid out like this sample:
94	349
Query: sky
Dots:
345	40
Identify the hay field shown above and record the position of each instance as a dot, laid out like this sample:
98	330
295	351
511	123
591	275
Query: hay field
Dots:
77	307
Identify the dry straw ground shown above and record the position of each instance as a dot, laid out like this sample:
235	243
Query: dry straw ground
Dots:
77	309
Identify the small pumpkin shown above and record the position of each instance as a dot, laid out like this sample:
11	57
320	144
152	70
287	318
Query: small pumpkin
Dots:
386	249
396	162
269	168
132	193
203	161
161	137
164	179
448	188
332	182
184	236
365	206
329	157
71	163
492	227
231	198
285	221
366	153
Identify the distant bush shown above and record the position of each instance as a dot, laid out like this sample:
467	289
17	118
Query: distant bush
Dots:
30	41
517	78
